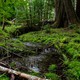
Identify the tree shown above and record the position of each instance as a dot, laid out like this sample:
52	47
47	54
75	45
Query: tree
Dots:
60	14
65	13
7	11
70	12
78	8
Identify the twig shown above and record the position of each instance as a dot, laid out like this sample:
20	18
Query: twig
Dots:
4	58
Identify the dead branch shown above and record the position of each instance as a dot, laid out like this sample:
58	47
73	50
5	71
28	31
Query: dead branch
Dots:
20	74
4	58
2	64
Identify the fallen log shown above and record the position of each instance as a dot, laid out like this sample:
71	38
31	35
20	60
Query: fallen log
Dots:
20	74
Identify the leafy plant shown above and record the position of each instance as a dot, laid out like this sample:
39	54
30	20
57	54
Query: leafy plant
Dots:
52	76
4	77
72	26
73	71
52	68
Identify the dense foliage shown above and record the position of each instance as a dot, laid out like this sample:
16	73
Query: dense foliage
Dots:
29	12
51	24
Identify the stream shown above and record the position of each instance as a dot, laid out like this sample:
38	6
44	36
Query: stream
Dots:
34	62
39	59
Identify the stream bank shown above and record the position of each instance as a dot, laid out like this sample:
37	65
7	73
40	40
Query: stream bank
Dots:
53	53
39	62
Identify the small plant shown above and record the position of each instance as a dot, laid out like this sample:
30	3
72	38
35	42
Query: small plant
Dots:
65	59
52	68
72	26
65	40
52	76
77	40
78	31
46	28
73	71
3	77
12	64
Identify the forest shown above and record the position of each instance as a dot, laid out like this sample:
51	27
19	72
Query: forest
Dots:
39	39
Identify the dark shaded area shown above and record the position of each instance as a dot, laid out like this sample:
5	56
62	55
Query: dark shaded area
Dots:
34	27
53	57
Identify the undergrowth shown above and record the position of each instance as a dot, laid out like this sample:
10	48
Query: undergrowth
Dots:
4	77
67	41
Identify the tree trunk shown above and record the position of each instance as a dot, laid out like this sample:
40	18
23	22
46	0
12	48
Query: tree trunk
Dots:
78	8
58	12
70	12
60	18
65	13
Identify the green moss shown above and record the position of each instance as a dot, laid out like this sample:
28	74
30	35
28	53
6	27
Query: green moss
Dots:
73	49
66	41
10	29
73	71
3	35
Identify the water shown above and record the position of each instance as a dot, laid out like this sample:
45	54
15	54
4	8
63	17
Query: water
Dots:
33	62
31	44
34	69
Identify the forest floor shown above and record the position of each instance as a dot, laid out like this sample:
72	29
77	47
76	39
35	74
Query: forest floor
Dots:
66	41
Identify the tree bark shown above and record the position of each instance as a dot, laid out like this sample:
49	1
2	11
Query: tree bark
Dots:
70	12
65	13
78	8
60	14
